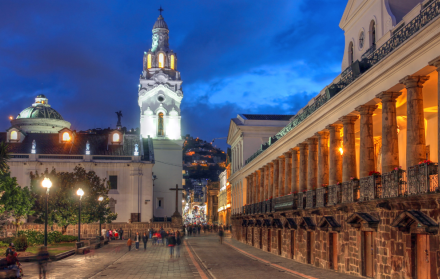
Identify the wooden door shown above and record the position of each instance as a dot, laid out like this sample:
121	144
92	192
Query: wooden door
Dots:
292	244
280	242
333	250
261	238
368	254
245	235
252	240
309	247
269	240
422	258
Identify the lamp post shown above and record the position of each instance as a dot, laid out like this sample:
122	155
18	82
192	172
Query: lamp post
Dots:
46	183
100	199
80	193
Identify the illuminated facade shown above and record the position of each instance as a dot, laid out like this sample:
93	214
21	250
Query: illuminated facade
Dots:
160	95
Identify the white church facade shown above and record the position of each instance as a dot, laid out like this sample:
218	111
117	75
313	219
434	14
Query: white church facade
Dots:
140	166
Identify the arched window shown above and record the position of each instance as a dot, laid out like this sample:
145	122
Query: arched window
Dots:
350	53
172	62
149	61
115	137
160	130
372	33
66	136
161	60
14	135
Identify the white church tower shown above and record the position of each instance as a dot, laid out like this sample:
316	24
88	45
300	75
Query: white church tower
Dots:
160	95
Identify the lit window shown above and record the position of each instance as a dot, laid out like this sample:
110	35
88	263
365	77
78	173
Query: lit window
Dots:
149	61
172	62
14	135
161	60
66	136
115	137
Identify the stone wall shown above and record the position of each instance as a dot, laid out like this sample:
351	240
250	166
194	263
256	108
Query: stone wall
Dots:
393	250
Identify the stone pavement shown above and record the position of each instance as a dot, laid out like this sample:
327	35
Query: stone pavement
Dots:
201	257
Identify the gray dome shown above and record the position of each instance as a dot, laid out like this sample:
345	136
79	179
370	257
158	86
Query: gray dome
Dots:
40	112
160	23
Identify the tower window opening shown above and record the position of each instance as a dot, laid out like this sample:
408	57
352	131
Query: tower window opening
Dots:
160	130
350	53
373	33
115	137
14	135
66	136
149	61
161	60
172	62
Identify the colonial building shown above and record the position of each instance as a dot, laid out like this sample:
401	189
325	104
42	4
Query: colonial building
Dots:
224	196
212	190
351	182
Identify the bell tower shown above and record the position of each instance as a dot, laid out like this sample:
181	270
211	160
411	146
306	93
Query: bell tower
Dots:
160	92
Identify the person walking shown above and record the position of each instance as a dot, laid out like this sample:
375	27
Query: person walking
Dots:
137	239
109	235
178	242
145	240
198	229
163	235
220	234
121	231
171	244
116	234
129	244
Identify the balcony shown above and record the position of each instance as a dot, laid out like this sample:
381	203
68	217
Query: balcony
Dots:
421	179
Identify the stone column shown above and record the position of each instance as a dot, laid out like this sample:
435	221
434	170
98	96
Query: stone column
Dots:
349	140
436	63
247	190
366	149
390	143
256	186
415	135
261	182
250	189
266	182
295	170
322	157
270	186
303	155
312	165
281	176
335	156
287	172
275	178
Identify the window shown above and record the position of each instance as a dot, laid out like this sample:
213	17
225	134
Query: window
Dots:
160	130
149	61
361	40
159	203
66	136
14	135
161	60
172	62
113	179
350	53
372	33
115	137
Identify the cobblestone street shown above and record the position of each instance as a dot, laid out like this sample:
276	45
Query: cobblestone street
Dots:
201	257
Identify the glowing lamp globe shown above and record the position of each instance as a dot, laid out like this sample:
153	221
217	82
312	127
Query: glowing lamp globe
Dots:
100	199
46	183
80	192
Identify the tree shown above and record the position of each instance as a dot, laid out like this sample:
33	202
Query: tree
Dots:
63	201
4	157
15	200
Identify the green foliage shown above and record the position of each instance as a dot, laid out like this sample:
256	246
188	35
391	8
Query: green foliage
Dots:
4	157
20	243
15	200
37	238
63	201
7	240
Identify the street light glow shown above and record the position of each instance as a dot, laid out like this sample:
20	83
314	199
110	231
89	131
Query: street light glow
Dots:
100	199
80	192
46	183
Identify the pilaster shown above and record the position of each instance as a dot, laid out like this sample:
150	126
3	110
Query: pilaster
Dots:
349	148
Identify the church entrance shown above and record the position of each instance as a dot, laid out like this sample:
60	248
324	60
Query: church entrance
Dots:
333	250
280	242
310	241
367	253
421	258
292	244
269	239
261	238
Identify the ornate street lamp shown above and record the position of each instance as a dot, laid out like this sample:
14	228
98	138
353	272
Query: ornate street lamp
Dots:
46	183
100	199
80	193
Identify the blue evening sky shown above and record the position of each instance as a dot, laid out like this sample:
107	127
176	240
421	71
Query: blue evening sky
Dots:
235	56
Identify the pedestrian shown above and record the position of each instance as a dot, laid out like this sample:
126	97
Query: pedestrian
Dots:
163	235
43	258
107	235
150	232
220	234
194	230
198	229
137	239
145	240
166	237
178	242
154	238
171	244
103	233
129	244
116	235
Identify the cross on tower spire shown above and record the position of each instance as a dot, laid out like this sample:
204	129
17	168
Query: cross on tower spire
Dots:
160	10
